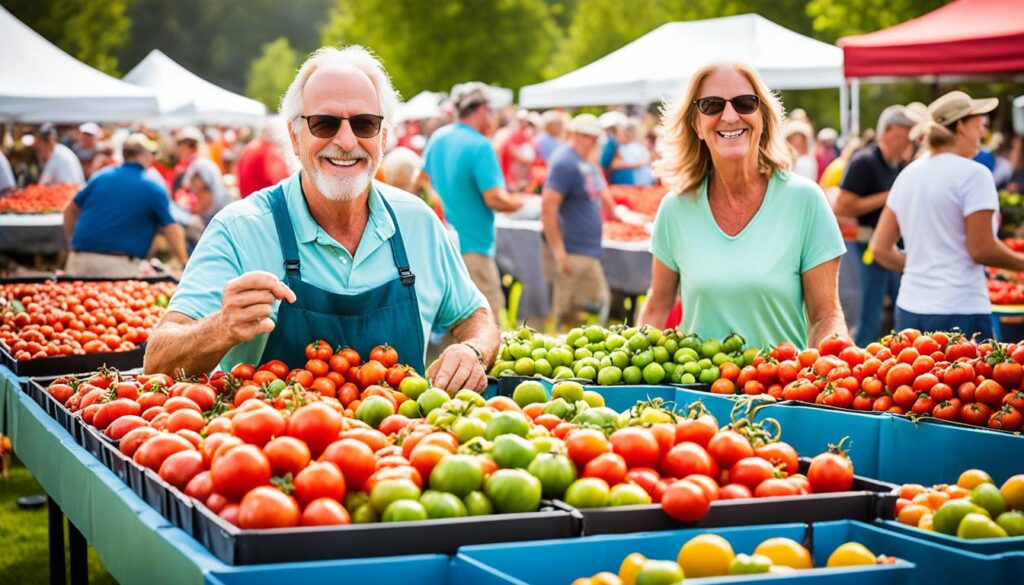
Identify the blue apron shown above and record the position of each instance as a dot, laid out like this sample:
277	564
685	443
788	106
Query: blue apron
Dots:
386	314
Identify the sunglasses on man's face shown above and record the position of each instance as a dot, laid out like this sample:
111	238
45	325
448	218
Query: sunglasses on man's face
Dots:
327	126
714	105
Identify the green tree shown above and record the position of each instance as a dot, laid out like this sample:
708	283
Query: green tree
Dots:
271	72
834	19
434	45
90	31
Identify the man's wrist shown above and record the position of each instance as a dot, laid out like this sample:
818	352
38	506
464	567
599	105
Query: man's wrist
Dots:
479	354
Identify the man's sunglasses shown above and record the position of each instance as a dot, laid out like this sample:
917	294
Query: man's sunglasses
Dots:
714	105
327	126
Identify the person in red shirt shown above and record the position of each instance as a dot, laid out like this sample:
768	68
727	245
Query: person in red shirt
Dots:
262	162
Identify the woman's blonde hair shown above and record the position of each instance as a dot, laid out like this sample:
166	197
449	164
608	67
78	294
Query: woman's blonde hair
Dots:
685	159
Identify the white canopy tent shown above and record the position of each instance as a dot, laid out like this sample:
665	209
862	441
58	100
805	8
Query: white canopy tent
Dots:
41	83
658	64
425	104
186	98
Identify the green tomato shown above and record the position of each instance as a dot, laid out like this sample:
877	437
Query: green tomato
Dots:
404	511
570	391
606	362
558	407
374	409
708	376
638	343
614	341
539	353
692	368
661	354
632	375
671	345
432	398
528	392
659	573
502	368
594	333
485	414
593	399
587	373
512	451
548	444
513	490
542	368
477	504
507	422
457	474
654	335
651	416
609	376
588	492
687	379
555	472
355	499
469	396
582	352
721	358
685	354
525	366
465	428
653	373
670	368
743	564
364	514
620	359
705	363
642	358
387	491
733	343
409	409
518	350
599	416
710	347
562	373
442	505
690	341
413	386
629	494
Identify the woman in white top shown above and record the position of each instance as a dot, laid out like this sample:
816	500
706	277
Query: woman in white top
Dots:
944	207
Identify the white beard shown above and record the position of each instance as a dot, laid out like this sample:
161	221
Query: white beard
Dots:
342	188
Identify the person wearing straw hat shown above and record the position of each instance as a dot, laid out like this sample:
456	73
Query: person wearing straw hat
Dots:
111	223
944	206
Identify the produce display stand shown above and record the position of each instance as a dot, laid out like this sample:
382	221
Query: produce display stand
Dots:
67	364
32	233
560	561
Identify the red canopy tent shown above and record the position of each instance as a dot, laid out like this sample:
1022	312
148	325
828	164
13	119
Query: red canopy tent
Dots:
965	37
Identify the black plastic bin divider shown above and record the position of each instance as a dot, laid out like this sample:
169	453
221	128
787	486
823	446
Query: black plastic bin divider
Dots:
154	492
92	440
136	479
443	536
36	389
115	460
181	511
60	365
868	499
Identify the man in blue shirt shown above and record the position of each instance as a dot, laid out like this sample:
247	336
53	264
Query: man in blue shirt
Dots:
112	221
328	253
463	167
573	197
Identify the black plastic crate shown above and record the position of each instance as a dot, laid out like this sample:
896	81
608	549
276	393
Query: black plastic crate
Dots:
154	492
92	440
868	499
36	389
116	461
443	536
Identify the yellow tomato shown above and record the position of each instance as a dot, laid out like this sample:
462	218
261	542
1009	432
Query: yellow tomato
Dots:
925	523
784	551
972	478
605	578
706	555
1013	492
851	554
630	567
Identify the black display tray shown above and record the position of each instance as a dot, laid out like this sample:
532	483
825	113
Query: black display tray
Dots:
444	536
70	364
869	499
36	390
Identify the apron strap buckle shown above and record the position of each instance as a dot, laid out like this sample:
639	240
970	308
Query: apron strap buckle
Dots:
406	276
291	267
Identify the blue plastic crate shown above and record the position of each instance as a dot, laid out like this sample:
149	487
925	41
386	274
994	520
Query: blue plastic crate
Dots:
981	546
931	453
719	405
561	561
420	569
621	398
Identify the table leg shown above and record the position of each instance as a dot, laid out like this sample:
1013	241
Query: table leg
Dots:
56	521
79	556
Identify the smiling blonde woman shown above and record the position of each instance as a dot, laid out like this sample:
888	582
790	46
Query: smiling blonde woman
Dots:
753	247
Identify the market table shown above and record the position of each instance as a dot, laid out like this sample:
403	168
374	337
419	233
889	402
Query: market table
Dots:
136	543
32	234
627	265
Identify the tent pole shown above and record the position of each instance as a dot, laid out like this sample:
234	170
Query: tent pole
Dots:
844	109
855	106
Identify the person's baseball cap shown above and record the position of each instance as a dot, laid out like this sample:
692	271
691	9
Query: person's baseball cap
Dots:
798	127
137	143
586	124
91	128
191	133
472	93
957	105
47	130
827	135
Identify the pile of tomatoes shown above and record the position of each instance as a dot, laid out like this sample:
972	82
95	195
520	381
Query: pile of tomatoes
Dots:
618	231
942	375
49	319
643	200
38	199
1005	287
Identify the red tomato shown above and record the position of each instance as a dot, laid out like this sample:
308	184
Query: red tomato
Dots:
708	485
1007	418
830	472
586	444
728	447
689	459
646	478
699	430
319	350
834	344
324	512
200	487
637	446
267	507
1008	375
316	424
385	354
734	491
610	467
239	470
133	439
774	487
319	480
158	448
684	501
780	454
179	469
991	392
286	455
751	471
425	456
354	458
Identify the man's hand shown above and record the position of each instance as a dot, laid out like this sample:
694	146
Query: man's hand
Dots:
248	302
562	258
458	368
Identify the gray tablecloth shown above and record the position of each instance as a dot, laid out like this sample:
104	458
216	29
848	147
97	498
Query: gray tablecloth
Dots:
627	266
32	234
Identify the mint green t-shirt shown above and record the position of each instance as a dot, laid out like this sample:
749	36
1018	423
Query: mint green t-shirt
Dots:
748	283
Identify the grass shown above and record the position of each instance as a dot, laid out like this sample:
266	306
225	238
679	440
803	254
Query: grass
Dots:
24	540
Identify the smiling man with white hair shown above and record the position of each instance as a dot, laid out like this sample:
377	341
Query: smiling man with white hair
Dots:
329	252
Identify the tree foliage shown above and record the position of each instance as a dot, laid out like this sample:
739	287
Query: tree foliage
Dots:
434	45
271	72
90	31
834	19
